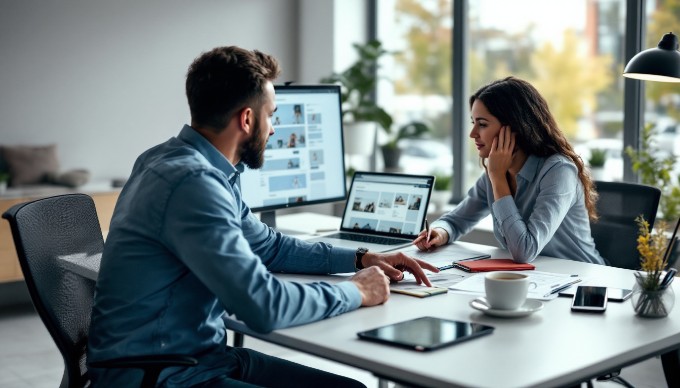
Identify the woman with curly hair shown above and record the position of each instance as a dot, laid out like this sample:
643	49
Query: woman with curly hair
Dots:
539	193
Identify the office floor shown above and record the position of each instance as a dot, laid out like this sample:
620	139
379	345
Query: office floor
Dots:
29	358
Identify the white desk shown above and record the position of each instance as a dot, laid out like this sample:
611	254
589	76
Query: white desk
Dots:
553	347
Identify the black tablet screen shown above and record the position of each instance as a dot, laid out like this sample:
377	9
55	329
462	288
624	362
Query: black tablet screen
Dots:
426	333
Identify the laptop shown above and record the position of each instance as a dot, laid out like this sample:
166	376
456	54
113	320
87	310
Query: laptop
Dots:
383	212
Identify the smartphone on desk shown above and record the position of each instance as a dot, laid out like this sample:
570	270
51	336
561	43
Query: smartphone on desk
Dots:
613	294
590	299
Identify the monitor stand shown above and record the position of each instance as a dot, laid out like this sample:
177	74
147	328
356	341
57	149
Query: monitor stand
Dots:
269	219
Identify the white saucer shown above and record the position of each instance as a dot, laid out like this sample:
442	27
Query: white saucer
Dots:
529	307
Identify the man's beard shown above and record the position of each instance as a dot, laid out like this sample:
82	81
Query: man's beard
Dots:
252	154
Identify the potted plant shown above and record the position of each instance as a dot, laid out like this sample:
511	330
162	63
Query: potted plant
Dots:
442	190
391	151
360	112
596	161
657	171
653	296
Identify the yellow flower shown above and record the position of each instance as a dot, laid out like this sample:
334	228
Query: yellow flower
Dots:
652	248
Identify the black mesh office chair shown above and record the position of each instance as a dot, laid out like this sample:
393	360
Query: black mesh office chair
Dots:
43	230
615	233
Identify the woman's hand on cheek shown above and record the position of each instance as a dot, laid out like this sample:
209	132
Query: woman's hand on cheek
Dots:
502	149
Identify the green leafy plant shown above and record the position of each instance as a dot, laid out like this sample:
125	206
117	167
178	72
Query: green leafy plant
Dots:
4	176
358	83
657	171
442	182
597	157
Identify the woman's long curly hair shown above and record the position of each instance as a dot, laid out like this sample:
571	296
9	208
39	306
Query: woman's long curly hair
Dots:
517	103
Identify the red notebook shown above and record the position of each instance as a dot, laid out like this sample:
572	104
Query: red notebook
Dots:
488	265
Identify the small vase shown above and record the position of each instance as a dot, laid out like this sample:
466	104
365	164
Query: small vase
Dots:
652	303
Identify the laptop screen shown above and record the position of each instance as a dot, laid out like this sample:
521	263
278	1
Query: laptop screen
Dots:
387	204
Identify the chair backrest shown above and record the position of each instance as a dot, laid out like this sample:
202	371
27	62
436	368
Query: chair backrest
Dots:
44	230
615	233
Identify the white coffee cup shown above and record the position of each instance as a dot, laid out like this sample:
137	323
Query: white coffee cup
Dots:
506	290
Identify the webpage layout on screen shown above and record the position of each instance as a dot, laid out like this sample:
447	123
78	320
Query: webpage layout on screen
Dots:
304	157
387	203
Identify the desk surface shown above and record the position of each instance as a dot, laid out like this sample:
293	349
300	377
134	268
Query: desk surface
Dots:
553	347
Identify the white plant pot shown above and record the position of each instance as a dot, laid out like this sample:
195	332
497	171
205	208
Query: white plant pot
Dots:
597	173
359	138
440	198
3	187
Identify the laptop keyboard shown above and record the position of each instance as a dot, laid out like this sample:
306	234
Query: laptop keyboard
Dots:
368	239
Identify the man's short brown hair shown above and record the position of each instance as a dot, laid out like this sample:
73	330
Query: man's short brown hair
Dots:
224	80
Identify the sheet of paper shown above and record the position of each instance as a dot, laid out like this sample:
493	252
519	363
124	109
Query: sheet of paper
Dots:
440	282
445	255
441	279
546	282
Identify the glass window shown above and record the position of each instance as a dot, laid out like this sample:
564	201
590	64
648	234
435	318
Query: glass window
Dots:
417	79
662	114
572	51
662	99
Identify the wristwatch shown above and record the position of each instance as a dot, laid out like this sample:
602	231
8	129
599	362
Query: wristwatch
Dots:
359	255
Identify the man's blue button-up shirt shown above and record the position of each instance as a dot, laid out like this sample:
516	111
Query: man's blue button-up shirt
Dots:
182	249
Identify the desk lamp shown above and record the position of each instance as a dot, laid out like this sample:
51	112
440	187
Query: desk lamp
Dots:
660	64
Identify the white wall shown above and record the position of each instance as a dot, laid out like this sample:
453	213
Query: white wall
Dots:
105	79
327	30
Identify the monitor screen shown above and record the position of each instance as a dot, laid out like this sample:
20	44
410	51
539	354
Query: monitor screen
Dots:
304	158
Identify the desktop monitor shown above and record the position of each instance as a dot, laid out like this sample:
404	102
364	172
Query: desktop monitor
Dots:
304	158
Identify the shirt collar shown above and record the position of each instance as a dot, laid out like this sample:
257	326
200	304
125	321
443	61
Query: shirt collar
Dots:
215	157
530	169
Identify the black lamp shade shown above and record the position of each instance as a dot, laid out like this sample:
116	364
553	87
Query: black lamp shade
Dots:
657	64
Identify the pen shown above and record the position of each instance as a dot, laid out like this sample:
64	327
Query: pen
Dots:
564	287
427	231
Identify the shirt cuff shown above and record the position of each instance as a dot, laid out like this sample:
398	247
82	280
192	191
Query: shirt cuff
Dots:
342	260
444	225
351	294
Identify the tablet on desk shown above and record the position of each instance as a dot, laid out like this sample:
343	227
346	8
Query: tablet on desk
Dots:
426	333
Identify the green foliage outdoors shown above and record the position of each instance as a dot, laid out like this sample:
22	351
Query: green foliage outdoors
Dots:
656	171
556	73
597	157
568	72
358	82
